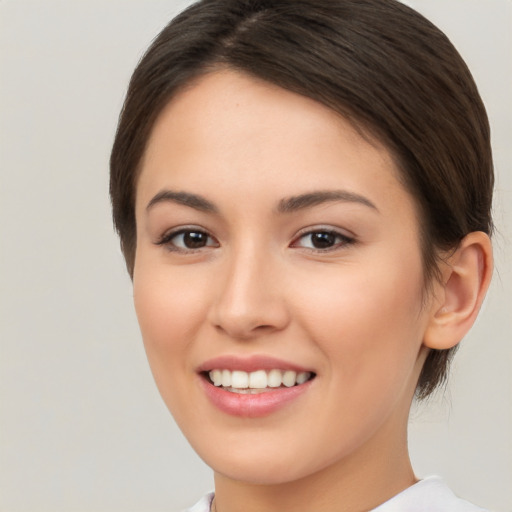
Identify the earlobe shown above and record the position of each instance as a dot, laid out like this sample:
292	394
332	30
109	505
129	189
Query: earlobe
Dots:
466	277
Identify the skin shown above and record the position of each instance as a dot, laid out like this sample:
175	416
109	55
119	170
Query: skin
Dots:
354	313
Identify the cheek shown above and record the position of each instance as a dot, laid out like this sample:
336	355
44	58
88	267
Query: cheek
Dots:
169	312
368	328
369	324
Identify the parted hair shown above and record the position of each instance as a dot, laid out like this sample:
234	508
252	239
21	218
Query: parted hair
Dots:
378	63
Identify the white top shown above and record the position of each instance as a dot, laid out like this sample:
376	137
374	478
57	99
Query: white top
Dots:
428	495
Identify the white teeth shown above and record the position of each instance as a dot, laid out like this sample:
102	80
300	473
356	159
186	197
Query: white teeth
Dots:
239	379
226	378
289	378
274	378
260	379
216	376
302	377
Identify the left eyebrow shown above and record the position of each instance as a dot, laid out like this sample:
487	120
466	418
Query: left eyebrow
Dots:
194	201
310	199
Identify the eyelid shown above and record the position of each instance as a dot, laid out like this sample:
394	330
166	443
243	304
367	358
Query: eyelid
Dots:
166	238
347	239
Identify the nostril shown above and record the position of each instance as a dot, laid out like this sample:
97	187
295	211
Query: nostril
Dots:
248	307
243	330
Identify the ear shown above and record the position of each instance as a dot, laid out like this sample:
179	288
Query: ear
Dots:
466	277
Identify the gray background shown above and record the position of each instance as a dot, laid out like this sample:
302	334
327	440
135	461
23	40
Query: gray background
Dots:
82	426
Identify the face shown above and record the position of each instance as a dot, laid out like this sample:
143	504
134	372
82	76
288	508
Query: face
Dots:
278	281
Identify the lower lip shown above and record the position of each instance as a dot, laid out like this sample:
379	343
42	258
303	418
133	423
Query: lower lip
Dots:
252	405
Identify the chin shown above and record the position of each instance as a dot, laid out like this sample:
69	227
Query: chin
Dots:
268	462
270	472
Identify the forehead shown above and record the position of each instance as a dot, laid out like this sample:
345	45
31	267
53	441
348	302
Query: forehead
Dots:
232	100
228	127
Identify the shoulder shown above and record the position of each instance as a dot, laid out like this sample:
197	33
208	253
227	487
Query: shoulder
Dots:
428	495
203	505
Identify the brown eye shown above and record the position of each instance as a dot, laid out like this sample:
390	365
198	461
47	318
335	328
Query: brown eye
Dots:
322	240
194	239
187	240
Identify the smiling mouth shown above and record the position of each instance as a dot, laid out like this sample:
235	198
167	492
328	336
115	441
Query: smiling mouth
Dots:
259	381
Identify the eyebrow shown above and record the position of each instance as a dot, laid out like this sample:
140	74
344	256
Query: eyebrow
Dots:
184	198
316	198
287	205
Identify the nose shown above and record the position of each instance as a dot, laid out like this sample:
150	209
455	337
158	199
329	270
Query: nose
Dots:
251	299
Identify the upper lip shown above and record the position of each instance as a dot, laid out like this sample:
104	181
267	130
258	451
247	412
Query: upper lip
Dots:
249	363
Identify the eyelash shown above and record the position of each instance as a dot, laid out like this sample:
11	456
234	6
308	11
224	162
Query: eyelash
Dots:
168	238
342	240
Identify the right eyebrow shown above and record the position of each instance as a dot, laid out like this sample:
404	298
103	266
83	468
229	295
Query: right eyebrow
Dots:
315	198
194	201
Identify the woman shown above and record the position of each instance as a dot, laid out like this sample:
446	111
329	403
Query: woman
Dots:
303	190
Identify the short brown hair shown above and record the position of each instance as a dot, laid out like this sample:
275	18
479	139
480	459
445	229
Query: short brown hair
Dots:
378	63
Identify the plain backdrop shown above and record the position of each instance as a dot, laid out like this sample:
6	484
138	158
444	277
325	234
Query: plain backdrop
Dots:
82	427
